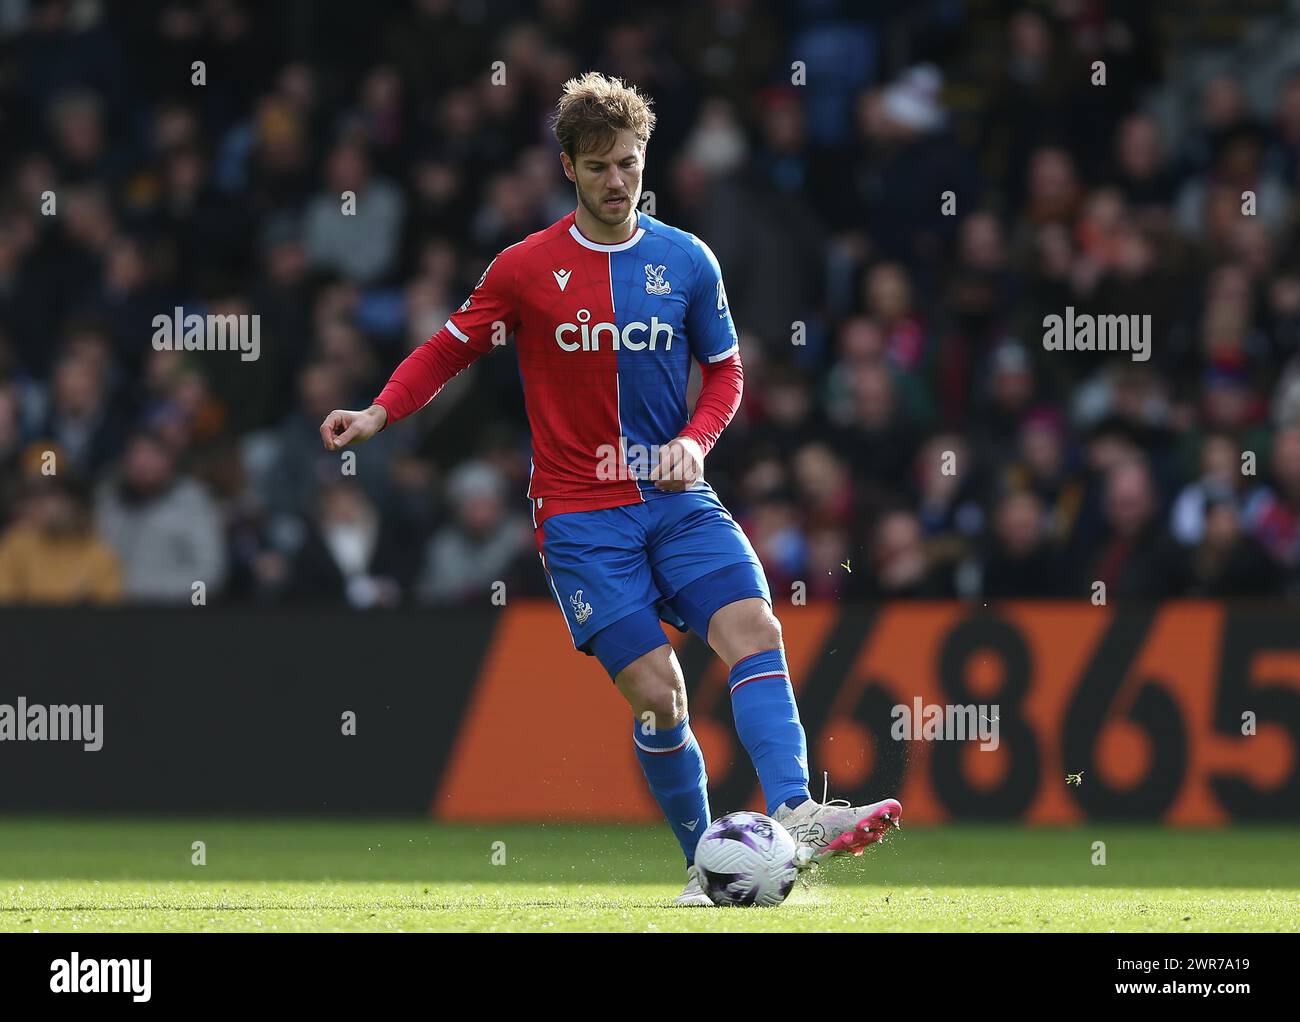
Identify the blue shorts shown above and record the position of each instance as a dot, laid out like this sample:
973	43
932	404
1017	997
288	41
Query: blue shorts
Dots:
617	572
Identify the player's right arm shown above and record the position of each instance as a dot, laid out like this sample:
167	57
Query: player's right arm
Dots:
488	316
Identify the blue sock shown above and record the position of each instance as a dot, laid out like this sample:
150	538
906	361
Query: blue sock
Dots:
674	768
767	722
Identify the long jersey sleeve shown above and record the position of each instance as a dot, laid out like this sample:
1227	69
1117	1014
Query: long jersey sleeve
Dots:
424	372
720	392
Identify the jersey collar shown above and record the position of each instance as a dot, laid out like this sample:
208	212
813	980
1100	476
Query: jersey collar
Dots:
596	246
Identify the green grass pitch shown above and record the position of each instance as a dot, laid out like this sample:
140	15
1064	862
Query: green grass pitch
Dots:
110	875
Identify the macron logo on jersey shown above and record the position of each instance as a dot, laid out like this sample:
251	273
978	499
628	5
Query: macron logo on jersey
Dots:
562	277
591	334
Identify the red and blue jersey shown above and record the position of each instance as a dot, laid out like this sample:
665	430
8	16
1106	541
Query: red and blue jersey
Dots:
605	335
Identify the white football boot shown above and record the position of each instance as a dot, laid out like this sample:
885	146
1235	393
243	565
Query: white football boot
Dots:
694	896
823	830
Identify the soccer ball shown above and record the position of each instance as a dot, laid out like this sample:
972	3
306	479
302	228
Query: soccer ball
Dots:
746	859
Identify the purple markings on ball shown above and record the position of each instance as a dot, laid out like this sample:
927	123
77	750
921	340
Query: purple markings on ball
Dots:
736	832
718	887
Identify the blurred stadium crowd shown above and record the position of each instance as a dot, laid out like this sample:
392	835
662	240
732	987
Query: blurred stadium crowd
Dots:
878	332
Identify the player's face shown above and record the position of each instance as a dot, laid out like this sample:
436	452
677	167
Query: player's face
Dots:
609	183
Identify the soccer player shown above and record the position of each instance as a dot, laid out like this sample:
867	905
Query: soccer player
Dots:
608	306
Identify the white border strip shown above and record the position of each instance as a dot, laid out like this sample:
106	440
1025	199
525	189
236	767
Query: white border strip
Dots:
660	752
595	246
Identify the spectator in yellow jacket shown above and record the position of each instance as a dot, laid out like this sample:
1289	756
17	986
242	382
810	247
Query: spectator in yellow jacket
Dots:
51	555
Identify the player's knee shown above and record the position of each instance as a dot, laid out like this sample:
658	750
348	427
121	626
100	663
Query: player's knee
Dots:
770	629
764	633
664	706
653	686
659	703
744	628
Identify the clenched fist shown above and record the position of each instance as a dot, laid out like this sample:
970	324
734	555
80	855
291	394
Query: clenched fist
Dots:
341	428
681	462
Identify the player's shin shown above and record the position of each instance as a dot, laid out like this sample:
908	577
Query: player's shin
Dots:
674	768
767	721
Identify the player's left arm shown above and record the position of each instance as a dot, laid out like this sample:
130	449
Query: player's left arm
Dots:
712	337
